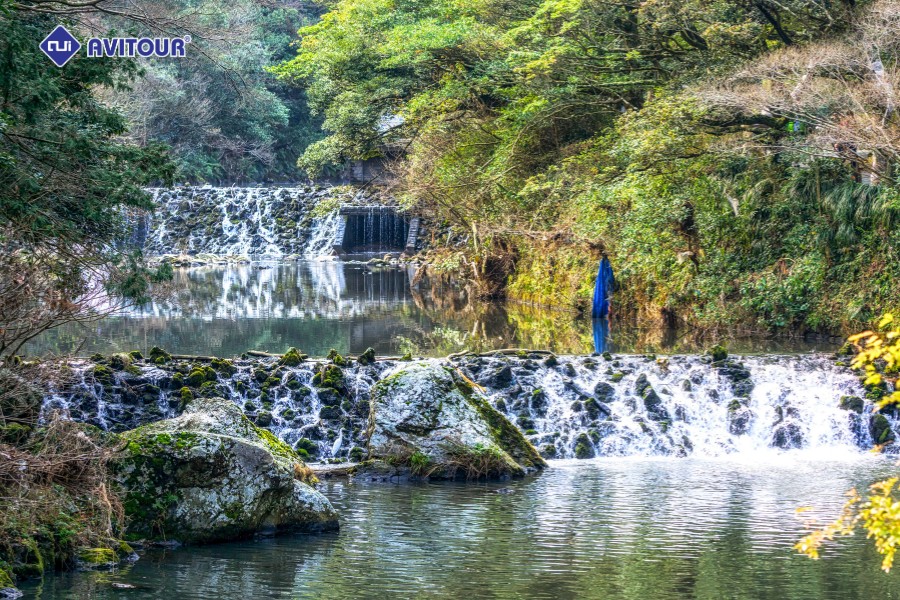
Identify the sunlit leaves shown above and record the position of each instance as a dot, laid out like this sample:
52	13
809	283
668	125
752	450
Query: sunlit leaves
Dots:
878	513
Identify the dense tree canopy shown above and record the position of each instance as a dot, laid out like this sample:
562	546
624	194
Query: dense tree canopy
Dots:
699	143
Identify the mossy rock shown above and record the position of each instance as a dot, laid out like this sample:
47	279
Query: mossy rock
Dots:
96	558
880	428
852	403
211	475
330	413
584	449
159	356
120	361
103	374
263	418
717	353
331	376
196	378
367	357
431	410
292	358
548	451
336	358
6	582
225	367
308	445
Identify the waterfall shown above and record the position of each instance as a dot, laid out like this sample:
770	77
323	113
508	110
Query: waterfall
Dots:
568	407
260	222
678	405
322	235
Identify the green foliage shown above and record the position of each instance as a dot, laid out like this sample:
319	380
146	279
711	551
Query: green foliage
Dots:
419	464
544	132
222	114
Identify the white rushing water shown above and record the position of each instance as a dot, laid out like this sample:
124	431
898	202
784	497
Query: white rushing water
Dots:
264	222
246	221
579	407
682	405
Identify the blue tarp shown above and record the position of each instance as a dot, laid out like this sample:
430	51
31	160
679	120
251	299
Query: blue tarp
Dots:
603	290
601	336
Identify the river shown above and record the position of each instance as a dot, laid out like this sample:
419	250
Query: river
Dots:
605	528
720	523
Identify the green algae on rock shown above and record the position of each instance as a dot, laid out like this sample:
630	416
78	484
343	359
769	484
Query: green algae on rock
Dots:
211	475
428	420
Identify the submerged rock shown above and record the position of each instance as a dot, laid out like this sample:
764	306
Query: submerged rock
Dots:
428	421
210	475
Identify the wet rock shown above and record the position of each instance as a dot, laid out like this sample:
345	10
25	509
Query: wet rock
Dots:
498	378
717	353
211	475
740	418
652	402
880	429
787	435
851	403
264	418
426	414
330	413
595	409
604	392
367	357
584	448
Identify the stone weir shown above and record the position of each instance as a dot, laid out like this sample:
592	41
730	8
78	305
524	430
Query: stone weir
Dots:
566	406
366	229
298	222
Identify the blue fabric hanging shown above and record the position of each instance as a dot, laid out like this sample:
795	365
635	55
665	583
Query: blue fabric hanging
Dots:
603	289
601	335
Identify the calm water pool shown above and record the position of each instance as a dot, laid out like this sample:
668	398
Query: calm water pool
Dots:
611	528
319	305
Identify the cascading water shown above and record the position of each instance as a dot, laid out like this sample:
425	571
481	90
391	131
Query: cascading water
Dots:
322	233
677	405
267	222
569	407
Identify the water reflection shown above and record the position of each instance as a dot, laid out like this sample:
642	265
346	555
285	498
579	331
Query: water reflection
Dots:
621	528
316	306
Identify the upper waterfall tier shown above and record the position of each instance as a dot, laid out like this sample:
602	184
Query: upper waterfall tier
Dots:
271	222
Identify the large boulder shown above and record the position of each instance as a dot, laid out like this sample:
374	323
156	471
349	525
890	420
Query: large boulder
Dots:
429	421
210	475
